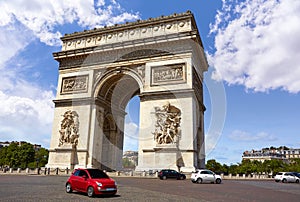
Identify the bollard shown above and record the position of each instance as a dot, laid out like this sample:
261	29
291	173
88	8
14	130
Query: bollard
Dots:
27	170
144	173
48	171
19	170
131	173
67	171
56	171
11	170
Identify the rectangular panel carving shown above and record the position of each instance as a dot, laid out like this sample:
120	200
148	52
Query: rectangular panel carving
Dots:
74	84
168	74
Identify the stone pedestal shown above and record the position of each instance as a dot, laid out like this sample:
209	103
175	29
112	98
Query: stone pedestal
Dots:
63	157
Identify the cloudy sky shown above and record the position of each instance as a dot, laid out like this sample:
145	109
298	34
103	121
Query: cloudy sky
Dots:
252	88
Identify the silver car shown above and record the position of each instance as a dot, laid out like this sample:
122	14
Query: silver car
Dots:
204	175
286	177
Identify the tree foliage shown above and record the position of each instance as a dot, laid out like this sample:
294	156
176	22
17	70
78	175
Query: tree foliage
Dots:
254	167
23	156
127	163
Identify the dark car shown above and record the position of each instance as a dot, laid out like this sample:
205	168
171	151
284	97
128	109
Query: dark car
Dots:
91	181
296	174
169	173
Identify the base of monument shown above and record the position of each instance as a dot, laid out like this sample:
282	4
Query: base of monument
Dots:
62	157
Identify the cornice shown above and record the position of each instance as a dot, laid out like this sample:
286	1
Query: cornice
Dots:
172	27
130	25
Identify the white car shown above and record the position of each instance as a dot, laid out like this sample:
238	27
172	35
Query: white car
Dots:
286	177
204	175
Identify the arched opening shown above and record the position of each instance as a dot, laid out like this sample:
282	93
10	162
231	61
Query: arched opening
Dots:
113	96
130	146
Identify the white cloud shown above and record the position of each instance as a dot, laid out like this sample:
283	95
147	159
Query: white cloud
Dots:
131	137
242	136
22	21
257	44
24	118
26	110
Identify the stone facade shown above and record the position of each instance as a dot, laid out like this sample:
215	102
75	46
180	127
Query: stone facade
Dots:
162	61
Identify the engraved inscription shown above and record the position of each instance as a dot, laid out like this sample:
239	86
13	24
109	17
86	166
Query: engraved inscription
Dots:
75	84
168	74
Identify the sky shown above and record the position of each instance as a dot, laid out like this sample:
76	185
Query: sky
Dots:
251	90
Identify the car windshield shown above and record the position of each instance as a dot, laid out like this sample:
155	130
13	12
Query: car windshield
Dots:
95	174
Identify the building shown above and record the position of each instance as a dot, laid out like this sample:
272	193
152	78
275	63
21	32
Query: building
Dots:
7	143
132	156
262	155
291	153
281	153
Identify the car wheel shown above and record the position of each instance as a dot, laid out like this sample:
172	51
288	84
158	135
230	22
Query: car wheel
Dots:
68	188
297	181
284	180
90	192
199	180
218	181
164	177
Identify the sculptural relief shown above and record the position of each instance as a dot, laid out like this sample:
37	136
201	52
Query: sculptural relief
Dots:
168	73
69	128
141	72
167	128
75	84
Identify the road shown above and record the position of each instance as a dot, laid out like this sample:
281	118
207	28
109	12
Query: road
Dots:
51	188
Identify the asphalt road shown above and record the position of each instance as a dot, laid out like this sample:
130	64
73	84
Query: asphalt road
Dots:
51	188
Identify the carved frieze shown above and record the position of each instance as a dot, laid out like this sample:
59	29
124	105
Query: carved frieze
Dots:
167	128
74	84
143	53
168	74
98	75
69	128
141	72
161	26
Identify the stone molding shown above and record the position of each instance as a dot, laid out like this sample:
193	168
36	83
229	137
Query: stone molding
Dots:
161	26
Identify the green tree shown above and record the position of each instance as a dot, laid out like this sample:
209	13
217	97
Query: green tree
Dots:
12	155
213	165
233	169
127	163
26	154
22	156
41	156
3	154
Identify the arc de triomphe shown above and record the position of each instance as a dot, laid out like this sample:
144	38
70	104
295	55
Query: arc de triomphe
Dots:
159	59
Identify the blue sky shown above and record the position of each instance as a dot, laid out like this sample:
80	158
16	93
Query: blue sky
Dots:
251	91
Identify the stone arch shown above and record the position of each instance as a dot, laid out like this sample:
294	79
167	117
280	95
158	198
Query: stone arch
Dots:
116	75
112	93
161	60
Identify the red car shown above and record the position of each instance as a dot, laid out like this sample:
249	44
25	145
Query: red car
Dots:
91	181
